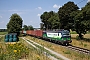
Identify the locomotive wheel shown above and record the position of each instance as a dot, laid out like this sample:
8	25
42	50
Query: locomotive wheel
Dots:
66	44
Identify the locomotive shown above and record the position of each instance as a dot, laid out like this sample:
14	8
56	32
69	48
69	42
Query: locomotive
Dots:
60	36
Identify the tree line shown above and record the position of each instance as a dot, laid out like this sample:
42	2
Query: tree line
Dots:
3	30
69	16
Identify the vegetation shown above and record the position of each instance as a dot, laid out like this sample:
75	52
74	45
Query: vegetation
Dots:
81	43
15	24
19	50
68	17
82	20
64	15
3	33
12	51
3	30
25	27
50	20
44	50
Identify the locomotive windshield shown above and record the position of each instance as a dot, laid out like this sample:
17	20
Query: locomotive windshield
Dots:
65	33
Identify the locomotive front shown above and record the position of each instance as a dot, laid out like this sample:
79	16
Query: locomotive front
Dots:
66	37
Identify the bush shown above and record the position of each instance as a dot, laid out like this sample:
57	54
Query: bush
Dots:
78	38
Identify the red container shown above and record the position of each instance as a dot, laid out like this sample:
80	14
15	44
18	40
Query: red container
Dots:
38	33
28	32
32	32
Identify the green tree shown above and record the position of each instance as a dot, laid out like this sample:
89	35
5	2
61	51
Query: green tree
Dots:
25	27
64	14
54	21
30	27
86	16
50	20
15	24
82	21
44	17
73	20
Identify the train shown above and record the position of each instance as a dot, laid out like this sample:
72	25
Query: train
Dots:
59	36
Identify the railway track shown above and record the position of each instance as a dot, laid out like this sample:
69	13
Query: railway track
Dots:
75	48
81	50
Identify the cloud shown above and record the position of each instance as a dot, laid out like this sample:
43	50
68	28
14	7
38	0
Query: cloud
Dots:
88	1
0	16
56	6
40	8
38	14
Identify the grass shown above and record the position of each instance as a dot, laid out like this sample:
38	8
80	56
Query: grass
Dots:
81	43
47	52
1	39
74	32
88	32
13	50
19	50
35	54
73	55
84	43
3	33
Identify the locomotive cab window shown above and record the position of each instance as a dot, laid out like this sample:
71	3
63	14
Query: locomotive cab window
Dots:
65	33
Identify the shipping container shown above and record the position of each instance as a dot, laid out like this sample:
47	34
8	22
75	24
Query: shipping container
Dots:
38	33
33	32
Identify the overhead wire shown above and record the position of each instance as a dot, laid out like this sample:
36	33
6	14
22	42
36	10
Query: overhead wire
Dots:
80	1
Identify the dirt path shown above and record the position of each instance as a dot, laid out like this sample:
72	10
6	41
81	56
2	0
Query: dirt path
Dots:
55	53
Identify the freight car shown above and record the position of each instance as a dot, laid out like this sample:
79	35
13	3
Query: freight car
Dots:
60	36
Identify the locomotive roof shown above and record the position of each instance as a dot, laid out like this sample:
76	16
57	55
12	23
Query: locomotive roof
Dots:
57	31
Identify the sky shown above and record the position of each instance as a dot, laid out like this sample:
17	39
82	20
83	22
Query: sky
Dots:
30	10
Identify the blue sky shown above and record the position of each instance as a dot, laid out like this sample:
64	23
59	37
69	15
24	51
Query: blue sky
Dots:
30	10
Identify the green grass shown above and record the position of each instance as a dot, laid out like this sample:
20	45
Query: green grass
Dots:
3	33
2	39
88	32
73	32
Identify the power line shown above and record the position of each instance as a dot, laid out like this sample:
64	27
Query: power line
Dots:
81	1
